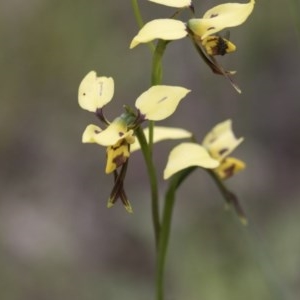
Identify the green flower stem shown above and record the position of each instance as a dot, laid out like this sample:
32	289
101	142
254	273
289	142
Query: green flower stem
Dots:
156	75
153	182
175	182
137	13
156	78
147	147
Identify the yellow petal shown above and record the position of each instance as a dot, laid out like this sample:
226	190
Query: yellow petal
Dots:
166	29
229	167
160	101
174	3
94	92
117	155
220	17
115	132
90	133
188	155
163	133
221	141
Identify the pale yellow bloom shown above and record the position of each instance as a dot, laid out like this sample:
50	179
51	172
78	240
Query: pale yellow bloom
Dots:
220	142
174	3
214	20
166	29
157	103
160	101
212	154
220	17
95	92
187	155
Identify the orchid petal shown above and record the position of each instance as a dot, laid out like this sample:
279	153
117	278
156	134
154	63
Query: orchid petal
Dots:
115	132
160	101
174	3
165	29
221	141
90	133
188	155
95	92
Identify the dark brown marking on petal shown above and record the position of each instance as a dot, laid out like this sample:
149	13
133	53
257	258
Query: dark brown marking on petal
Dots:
101	88
211	28
211	140
163	99
97	131
119	160
229	171
213	15
221	48
121	133
222	151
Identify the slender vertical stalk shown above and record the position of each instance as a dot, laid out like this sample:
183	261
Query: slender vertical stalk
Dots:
164	236
164	240
161	229
153	182
156	78
137	14
147	147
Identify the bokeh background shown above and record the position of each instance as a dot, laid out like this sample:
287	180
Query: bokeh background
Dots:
58	240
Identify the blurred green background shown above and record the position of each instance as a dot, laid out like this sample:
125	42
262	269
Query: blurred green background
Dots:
58	240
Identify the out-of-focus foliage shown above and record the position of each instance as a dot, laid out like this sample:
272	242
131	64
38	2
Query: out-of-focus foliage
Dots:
58	240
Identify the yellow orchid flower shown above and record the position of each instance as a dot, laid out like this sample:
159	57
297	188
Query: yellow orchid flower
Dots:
220	142
220	17
157	103
212	154
214	20
201	31
174	3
